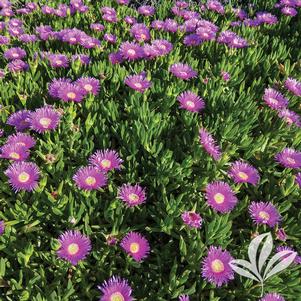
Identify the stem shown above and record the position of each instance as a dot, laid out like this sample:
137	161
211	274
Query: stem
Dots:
261	289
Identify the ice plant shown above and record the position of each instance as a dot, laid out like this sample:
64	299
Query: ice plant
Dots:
293	85
192	219
89	178
138	83
209	144
220	196
216	268
274	99
131	51
242	172
44	119
272	297
183	71
264	213
71	92
136	246
290	117
88	84
132	195
106	160
191	101
74	246
289	158
23	176
115	289
14	152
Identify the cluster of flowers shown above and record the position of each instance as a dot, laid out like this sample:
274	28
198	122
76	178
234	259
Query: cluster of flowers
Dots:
66	90
62	10
288	7
276	101
15	56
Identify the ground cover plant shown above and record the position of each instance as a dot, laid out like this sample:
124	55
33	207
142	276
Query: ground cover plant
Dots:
145	145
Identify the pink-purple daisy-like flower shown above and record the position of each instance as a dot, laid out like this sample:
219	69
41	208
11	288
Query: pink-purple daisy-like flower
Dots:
23	175
2	227
88	84
14	53
135	245
140	32
191	101
146	10
274	99
106	160
289	11
56	84
14	152
44	119
272	297
22	139
290	117
192	40
264	213
289	251
115	289
184	298
192	219
19	120
131	51
183	71
58	60
89	178
209	144
266	18
216	268
132	195
289	158
71	92
73	246
242	172
17	66
298	179
220	196
293	85
138	82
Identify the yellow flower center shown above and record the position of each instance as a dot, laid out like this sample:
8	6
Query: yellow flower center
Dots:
290	160
45	122
133	197
243	175
264	215
14	155
217	266
90	181
131	51
59	62
190	104
134	247
105	163
88	87
23	177
73	248
71	95
219	198
116	297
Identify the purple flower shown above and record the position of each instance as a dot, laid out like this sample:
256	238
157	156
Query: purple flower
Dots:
146	10
110	38
89	178
84	59
264	213
289	158
2	227
226	37
289	11
132	195
272	297
140	32
131	51
106	160
281	235
44	119
28	38
116	289
242	172
116	58
123	2
220	197
158	24
238	42
14	152
192	40
266	18
55	85
162	47
18	120
73	246
290	117
293	85
184	298
298	179
97	27
274	99
135	245
191	102
209	144
216	268
289	250
225	76
71	92
170	25
137	82
58	60
192	219
17	66
216	6
183	71
130	20
22	139
4	40
88	84
23	176
206	34
14	53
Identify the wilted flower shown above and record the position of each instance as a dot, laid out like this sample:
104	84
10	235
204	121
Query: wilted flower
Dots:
281	235
209	144
192	219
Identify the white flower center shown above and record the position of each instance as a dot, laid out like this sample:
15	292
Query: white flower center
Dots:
219	198
23	177
73	248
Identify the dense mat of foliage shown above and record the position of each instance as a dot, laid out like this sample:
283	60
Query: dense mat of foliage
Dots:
246	94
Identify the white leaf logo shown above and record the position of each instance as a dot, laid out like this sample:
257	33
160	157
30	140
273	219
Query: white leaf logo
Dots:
253	269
